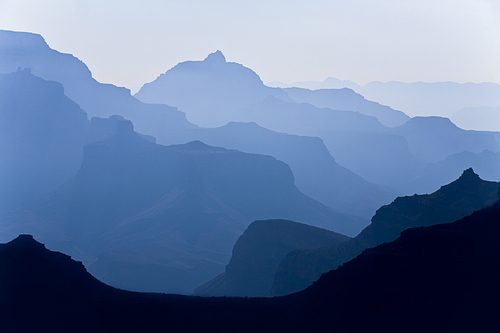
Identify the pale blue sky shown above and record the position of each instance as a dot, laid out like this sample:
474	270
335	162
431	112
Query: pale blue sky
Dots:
128	42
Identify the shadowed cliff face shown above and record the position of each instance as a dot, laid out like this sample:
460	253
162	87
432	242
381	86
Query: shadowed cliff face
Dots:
438	278
258	252
452	202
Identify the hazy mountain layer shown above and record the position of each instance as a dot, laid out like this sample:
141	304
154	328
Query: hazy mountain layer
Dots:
379	157
481	118
171	214
258	252
418	98
433	279
315	171
486	164
27	50
301	268
221	92
42	133
208	91
347	99
432	139
398	156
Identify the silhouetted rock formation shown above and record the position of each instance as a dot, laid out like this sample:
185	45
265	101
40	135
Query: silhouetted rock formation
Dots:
258	252
442	278
433	279
159	218
347	99
315	171
468	193
208	91
47	287
27	50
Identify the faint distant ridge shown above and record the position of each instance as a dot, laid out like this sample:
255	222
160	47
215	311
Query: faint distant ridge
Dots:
481	118
417	98
451	202
20	49
214	92
347	99
432	139
208	90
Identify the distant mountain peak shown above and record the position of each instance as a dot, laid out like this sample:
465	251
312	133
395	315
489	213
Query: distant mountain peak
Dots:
216	57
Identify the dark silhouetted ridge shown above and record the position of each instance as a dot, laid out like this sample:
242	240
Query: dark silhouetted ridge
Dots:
460	198
442	278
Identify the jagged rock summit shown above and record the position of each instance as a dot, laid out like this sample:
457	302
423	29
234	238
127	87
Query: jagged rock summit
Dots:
215	58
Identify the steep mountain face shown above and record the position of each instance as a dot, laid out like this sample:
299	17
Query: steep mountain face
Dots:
258	252
450	203
27	50
208	91
347	99
136	209
439	278
315	171
42	133
444	137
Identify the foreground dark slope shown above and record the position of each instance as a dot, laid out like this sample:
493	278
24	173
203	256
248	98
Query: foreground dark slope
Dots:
301	268
442	278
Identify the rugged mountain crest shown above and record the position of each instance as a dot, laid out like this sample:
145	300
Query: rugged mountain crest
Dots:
450	203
